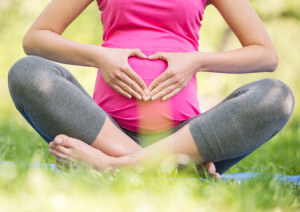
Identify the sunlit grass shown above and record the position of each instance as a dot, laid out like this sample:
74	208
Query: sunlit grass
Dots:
83	189
138	189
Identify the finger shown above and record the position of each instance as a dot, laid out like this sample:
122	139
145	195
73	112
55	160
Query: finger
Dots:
161	86
158	55
164	92
136	78
128	89
161	89
173	93
138	53
121	91
160	79
132	84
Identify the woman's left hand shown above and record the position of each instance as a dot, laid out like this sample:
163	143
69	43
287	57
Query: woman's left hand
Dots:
181	68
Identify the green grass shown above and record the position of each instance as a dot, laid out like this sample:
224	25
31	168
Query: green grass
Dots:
28	189
38	189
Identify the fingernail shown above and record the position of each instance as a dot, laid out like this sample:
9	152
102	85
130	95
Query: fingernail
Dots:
163	98
153	97
139	97
147	98
146	91
129	96
59	140
150	57
144	55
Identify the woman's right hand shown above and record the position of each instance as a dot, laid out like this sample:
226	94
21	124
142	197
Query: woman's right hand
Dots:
119	75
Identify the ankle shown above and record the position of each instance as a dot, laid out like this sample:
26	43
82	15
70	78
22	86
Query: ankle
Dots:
123	161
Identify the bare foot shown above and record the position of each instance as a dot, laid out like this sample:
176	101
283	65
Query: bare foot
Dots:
63	164
60	165
75	150
68	149
210	168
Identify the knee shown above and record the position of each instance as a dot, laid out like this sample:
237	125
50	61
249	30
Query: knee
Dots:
28	74
278	99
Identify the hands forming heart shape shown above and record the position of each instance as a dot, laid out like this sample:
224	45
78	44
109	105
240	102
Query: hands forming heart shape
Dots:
119	75
181	67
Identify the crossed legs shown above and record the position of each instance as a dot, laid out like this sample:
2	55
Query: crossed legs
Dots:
81	130
53	102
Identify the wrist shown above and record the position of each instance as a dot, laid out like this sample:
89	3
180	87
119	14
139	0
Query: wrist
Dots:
96	56
199	61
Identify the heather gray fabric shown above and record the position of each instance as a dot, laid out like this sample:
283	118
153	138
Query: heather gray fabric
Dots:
53	102
244	120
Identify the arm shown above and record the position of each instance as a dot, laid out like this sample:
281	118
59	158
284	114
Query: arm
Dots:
44	39
44	36
258	53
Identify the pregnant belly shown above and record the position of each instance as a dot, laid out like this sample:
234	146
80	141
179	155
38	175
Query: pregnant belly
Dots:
151	116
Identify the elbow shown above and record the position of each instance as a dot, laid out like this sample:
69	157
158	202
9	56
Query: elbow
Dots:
27	44
273	60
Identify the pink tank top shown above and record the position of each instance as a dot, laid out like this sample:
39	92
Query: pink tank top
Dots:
156	25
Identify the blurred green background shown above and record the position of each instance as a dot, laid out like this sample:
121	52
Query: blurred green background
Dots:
281	18
41	190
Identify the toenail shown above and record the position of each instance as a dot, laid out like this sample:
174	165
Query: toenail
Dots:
59	140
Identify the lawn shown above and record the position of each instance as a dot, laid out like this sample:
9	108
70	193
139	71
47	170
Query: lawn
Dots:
83	189
24	188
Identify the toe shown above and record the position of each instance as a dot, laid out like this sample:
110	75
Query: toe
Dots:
62	140
56	153
217	175
59	148
64	150
210	167
62	163
58	165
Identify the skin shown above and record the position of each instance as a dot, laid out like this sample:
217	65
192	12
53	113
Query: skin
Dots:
113	148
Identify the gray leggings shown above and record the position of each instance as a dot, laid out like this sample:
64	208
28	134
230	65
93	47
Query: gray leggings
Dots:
53	102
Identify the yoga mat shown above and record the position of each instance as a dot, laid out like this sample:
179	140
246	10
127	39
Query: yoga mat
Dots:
237	177
240	177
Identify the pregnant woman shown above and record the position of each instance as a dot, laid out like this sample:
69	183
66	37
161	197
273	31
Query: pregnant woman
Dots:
146	88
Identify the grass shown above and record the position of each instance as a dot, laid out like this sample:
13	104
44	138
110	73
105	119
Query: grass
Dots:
30	189
38	189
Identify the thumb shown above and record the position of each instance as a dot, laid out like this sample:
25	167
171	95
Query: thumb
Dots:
157	55
138	53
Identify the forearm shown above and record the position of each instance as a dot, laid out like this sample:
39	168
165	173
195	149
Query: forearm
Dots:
54	47
252	58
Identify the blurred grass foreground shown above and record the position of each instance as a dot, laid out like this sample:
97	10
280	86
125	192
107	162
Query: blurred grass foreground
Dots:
39	189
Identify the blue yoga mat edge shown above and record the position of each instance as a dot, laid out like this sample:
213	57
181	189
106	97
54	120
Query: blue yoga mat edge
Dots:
236	177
